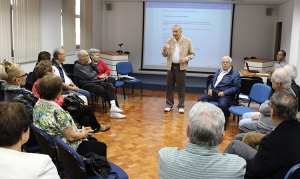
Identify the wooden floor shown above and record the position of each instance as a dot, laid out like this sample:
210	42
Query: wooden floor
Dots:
133	142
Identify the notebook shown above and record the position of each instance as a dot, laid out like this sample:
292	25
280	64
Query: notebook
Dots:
251	71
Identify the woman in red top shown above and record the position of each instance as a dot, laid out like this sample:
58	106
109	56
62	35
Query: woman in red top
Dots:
84	115
104	70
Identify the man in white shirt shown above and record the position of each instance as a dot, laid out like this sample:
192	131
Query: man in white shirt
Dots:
59	56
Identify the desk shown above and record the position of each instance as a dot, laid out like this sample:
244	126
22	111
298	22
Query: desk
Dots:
260	64
111	59
261	73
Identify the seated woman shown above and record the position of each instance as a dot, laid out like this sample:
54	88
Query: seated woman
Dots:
43	55
13	134
84	115
15	77
104	70
51	118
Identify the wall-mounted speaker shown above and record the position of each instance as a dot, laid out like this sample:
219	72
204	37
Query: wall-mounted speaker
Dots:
269	11
108	7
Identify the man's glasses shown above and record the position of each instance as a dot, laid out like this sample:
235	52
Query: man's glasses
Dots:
25	75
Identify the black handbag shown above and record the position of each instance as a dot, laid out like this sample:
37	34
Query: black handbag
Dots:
72	102
97	165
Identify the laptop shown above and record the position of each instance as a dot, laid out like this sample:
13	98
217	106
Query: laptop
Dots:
251	71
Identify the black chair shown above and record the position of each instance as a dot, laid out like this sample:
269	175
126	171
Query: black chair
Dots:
29	83
1	91
74	167
246	58
69	68
94	97
252	57
47	145
293	173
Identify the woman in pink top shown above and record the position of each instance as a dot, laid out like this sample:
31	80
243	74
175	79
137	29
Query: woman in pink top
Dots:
84	115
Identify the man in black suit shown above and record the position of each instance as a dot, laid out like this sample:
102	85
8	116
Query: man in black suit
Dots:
279	150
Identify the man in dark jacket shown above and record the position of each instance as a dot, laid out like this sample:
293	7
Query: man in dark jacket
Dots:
223	87
86	73
279	150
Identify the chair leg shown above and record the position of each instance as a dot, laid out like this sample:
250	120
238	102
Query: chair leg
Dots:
93	105
132	88
141	88
226	121
124	91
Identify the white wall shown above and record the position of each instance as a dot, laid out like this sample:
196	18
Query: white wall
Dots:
124	24
290	39
253	32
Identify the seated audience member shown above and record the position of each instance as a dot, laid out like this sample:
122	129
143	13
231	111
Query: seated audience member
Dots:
51	118
280	80
292	69
104	71
201	157
253	139
223	87
87	74
281	61
59	56
15	124
44	55
15	77
278	150
84	115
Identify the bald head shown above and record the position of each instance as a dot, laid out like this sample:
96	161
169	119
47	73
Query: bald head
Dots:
83	56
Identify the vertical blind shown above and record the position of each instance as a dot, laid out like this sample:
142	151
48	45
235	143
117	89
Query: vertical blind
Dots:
86	20
5	30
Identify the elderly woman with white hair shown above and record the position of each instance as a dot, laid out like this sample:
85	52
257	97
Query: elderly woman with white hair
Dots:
104	70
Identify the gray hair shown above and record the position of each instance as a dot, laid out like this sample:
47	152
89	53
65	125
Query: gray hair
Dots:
92	51
56	52
79	53
292	69
228	57
282	76
284	104
206	125
177	26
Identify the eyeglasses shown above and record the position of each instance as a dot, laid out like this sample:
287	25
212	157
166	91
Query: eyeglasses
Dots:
225	62
25	75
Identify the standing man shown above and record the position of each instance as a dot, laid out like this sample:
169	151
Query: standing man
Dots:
281	61
178	50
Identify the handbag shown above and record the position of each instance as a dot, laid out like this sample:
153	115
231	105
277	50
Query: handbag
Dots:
97	165
72	102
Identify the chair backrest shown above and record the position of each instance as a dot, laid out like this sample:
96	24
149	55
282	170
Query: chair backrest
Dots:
260	93
208	80
72	162
247	83
45	142
293	173
69	68
124	68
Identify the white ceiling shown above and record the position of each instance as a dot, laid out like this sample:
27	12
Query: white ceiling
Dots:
262	2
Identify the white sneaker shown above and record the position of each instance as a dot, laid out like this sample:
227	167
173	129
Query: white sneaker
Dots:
117	115
115	109
181	110
168	109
